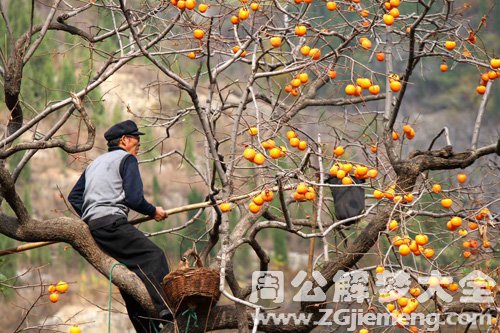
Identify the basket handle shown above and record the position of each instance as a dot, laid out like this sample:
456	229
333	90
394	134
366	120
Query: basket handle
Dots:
188	253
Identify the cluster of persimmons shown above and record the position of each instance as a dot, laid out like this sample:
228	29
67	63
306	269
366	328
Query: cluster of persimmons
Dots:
54	290
390	16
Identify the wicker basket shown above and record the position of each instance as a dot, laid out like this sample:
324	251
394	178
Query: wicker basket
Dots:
188	286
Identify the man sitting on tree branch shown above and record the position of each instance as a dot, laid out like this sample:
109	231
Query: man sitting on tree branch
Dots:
108	188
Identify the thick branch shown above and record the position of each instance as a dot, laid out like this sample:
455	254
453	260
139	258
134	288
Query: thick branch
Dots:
76	233
459	307
226	317
446	159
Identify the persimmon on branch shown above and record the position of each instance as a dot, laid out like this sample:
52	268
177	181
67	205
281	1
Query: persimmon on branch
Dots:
235	73
405	169
353	254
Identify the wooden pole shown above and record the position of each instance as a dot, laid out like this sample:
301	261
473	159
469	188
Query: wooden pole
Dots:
177	210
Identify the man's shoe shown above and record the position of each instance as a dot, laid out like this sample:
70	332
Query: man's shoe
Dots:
166	315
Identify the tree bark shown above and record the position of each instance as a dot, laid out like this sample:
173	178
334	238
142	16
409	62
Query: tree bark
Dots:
12	89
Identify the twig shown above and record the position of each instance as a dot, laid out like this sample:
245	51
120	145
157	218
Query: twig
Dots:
43	32
480	113
283	204
256	320
320	197
447	137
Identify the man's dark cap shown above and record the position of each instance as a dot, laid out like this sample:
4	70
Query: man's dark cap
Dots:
127	127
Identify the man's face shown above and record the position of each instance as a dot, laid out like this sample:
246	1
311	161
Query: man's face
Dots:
131	143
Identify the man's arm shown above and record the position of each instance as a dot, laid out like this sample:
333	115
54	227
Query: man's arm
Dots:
75	197
133	187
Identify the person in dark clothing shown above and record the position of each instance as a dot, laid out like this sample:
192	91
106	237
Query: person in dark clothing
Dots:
103	195
349	201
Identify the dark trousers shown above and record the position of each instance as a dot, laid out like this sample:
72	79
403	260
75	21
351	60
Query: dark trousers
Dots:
129	246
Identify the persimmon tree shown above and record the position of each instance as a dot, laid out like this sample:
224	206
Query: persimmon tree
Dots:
284	93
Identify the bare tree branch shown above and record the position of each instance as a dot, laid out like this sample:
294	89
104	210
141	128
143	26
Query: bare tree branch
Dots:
32	48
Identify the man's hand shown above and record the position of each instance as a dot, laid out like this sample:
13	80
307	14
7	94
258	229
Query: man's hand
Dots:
160	214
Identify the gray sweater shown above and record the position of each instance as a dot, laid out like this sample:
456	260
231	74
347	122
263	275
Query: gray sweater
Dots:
110	185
